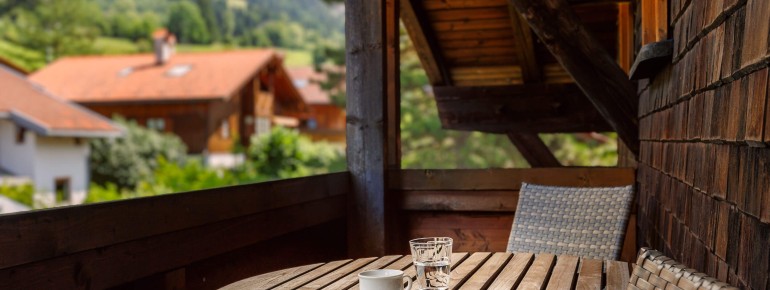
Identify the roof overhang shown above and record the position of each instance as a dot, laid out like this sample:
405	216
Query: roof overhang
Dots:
28	122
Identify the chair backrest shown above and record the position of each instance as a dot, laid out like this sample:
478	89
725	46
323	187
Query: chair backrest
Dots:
588	222
655	271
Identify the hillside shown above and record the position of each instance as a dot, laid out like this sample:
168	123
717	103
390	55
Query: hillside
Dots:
43	30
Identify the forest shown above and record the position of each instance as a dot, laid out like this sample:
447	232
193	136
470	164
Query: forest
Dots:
34	32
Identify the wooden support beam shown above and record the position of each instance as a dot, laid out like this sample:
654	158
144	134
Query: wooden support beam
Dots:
525	48
533	149
534	108
420	32
593	69
370	47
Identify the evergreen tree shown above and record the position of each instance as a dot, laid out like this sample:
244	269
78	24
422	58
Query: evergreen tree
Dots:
187	23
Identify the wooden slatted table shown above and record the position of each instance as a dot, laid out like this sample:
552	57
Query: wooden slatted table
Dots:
469	271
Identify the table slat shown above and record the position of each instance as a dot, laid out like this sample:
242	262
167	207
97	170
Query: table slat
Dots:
511	275
271	279
461	273
315	273
352	278
535	277
491	268
563	273
617	274
590	275
336	274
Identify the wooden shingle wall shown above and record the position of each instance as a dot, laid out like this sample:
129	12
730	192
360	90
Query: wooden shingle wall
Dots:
704	170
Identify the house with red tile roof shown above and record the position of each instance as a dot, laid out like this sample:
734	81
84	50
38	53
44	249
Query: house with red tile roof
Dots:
211	100
326	121
43	140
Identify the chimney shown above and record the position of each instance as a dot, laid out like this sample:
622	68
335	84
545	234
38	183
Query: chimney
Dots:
164	45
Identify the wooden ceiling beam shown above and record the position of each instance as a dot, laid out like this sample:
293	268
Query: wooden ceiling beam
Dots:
534	108
534	150
525	47
593	69
416	22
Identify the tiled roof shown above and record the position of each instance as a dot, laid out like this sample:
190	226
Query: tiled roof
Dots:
307	80
127	78
33	108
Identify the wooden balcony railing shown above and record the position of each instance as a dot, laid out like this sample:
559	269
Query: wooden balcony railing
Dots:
109	244
209	238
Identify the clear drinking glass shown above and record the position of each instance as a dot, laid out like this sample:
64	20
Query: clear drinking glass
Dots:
432	260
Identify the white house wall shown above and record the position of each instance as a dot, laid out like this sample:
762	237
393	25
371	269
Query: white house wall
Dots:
16	158
61	158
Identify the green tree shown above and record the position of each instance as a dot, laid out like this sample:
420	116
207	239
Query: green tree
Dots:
284	153
209	15
132	158
187	23
57	27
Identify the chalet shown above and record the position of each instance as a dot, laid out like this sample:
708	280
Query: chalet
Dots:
43	139
326	120
210	100
694	122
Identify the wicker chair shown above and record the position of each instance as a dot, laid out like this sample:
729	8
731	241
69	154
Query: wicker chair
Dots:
655	271
588	222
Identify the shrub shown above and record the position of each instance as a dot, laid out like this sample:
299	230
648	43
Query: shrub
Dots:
128	160
23	194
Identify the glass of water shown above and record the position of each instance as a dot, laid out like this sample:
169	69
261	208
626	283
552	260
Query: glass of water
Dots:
432	260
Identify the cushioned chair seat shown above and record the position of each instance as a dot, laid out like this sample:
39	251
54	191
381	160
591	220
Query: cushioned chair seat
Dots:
587	222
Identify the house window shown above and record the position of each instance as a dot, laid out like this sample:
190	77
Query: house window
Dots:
20	133
62	189
156	124
263	125
225	133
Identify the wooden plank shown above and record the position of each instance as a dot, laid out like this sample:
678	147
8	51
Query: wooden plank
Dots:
315	274
590	275
272	279
467	14
537	274
484	275
424	42
625	36
533	149
430	200
532	108
462	272
455	4
513	272
27	237
563	273
509	179
120	263
334	275
617	275
352	278
525	48
593	69
471	25
473	35
366	56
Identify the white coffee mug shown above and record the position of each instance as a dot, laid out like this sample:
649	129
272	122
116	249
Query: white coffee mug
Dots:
383	279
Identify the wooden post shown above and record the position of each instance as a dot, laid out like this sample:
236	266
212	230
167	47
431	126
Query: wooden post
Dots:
534	150
372	109
593	69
